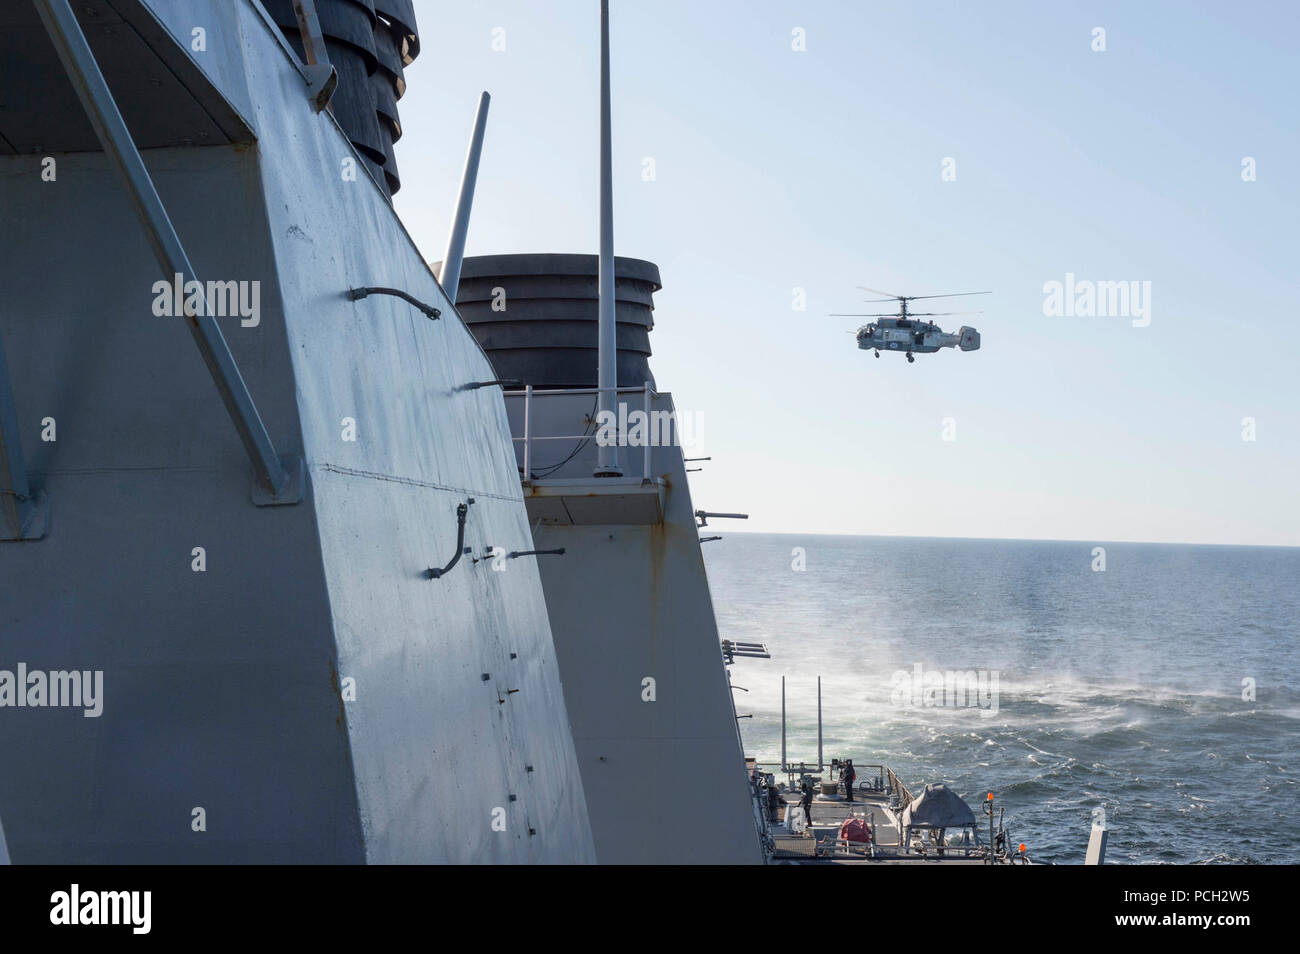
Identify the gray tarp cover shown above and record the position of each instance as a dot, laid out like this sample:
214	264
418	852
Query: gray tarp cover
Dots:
938	807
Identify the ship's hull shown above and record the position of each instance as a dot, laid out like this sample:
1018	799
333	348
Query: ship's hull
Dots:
280	683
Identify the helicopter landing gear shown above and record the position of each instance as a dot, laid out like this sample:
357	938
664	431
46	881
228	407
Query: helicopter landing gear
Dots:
910	359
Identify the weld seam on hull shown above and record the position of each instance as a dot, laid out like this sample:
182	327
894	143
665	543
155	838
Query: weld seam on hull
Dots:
351	472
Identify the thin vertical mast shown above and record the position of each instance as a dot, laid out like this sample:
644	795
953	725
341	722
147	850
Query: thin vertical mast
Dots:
607	349
454	257
783	761
820	763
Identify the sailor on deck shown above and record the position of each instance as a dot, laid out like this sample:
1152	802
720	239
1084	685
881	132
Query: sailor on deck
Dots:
774	800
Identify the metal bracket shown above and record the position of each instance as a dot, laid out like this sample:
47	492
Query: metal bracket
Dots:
732	649
24	512
462	510
502	383
321	77
33	517
291	492
356	294
518	553
704	515
322	81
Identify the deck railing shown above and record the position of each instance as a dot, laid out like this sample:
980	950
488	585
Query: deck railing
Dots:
884	775
529	437
896	787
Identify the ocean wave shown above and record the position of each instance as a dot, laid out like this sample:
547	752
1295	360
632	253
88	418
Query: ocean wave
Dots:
1122	692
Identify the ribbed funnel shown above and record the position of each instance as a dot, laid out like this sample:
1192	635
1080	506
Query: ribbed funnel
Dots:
536	316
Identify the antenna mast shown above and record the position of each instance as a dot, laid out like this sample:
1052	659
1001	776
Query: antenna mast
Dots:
606	347
453	258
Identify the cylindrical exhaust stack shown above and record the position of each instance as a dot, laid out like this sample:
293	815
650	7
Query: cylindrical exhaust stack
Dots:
536	316
369	42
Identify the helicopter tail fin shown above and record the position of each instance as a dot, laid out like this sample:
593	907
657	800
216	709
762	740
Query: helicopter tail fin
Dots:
969	340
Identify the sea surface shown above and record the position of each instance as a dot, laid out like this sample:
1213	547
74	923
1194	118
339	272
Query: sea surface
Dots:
1162	690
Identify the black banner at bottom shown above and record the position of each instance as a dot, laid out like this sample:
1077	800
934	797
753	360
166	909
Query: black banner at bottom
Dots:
131	904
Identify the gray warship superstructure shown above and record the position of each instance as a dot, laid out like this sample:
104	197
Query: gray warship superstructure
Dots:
309	552
288	673
364	624
629	601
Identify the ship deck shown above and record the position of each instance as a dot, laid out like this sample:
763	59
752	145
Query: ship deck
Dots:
829	812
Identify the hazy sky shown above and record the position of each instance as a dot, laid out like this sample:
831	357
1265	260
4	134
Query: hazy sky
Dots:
820	169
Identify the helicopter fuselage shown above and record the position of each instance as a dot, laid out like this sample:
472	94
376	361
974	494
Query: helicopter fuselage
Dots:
914	337
908	332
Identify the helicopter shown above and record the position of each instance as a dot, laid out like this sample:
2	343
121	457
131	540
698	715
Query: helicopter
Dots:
903	332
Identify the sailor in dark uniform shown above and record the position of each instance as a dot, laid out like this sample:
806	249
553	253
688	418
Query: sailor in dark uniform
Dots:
850	776
807	801
774	801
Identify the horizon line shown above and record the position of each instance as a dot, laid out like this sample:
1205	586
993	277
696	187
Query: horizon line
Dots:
1098	542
